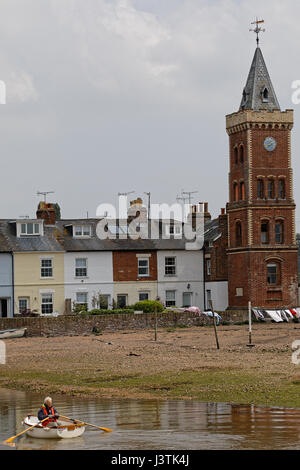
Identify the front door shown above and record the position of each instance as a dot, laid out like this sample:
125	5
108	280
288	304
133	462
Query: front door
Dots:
3	308
122	301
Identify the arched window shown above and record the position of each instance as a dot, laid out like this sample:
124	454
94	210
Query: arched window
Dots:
236	155
265	232
235	192
281	189
260	189
242	191
241	154
238	234
274	273
279	235
271	189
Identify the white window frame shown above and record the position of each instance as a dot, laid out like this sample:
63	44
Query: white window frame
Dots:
208	266
48	304
22	229
170	300
26	299
81	267
208	298
78	302
174	230
46	268
170	266
147	267
80	228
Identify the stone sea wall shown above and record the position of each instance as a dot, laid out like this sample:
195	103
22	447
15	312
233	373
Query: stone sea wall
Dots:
79	325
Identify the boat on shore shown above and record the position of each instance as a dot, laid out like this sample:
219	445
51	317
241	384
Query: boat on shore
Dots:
16	333
61	429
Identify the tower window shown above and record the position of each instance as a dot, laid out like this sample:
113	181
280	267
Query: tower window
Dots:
281	189
236	155
242	192
238	234
235	192
273	273
265	95
271	189
241	154
260	189
265	232
279	232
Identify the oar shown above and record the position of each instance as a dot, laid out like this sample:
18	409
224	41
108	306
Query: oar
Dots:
87	424
10	442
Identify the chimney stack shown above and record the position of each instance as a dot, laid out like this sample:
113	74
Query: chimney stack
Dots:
223	220
136	210
46	212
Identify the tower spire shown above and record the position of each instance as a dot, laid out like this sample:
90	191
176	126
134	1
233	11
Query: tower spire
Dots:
259	93
257	30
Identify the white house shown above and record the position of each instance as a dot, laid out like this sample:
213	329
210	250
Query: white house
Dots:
89	275
180	278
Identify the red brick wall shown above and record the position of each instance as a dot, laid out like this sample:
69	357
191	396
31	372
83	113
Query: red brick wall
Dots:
218	254
125	266
247	264
249	271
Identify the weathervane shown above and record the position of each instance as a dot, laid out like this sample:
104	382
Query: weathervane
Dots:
258	29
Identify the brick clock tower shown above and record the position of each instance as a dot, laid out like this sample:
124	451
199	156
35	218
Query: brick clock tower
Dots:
262	250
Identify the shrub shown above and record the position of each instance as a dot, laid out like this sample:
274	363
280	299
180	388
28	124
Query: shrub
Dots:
108	312
148	306
79	308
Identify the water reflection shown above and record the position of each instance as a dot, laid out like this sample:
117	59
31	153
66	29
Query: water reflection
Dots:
143	424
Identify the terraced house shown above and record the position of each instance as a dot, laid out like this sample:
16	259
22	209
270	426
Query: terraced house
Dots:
6	278
49	265
38	265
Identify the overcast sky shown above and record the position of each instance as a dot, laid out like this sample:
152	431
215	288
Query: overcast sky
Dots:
108	96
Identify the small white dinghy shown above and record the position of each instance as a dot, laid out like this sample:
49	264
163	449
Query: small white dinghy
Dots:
61	429
18	333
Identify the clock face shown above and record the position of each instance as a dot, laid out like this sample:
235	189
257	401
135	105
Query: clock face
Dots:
270	144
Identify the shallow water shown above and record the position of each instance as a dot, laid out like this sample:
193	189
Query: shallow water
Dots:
149	424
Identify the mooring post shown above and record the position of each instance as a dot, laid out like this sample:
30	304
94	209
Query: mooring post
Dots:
250	323
155	312
214	320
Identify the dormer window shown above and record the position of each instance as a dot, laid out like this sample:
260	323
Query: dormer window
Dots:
27	229
265	95
173	230
82	231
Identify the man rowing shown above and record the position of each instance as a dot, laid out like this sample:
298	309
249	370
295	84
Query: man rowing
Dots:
48	411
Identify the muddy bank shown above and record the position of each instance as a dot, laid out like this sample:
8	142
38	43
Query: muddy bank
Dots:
183	363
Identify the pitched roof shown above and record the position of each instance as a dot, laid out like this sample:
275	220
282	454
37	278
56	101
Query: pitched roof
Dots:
94	243
10	242
59	238
259	93
211	230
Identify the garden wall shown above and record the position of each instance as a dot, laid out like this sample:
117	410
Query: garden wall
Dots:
79	325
